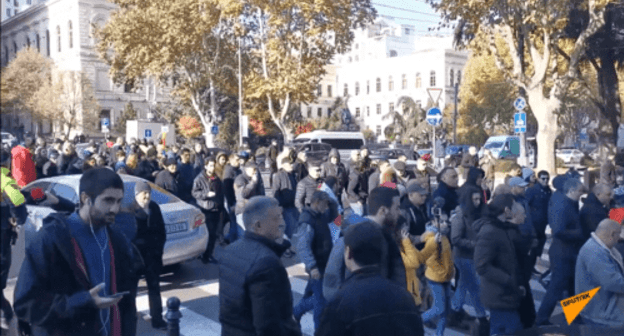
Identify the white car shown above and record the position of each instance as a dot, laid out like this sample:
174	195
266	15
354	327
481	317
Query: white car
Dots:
570	155
8	140
187	235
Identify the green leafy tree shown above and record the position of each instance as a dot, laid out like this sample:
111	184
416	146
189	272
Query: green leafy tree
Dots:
531	34
129	113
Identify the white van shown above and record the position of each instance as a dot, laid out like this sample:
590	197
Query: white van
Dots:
344	142
502	146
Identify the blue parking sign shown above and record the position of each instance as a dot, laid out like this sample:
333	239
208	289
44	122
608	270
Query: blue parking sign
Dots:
148	133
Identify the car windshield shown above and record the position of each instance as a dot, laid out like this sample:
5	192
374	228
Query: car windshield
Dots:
494	144
159	195
566	151
300	141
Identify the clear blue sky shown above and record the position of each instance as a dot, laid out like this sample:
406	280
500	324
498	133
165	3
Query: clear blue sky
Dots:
414	12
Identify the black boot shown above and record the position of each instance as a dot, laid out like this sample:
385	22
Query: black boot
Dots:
484	326
159	324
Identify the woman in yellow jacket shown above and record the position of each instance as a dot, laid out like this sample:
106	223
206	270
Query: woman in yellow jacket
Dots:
437	257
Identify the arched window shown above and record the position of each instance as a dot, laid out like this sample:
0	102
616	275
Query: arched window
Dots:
71	34
47	42
418	80
452	77
458	77
58	37
38	42
346	89
357	88
432	79
378	84
27	41
404	82
390	84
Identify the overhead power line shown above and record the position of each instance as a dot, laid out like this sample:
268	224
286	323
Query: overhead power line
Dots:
405	9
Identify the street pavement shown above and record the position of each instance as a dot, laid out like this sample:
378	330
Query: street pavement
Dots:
197	287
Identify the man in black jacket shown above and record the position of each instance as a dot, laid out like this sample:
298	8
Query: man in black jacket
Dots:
69	162
230	172
595	208
254	291
271	158
314	244
447	189
538	197
356	190
150	241
299	166
148	167
246	186
285	184
414	210
166	178
208	192
367	303
76	264
307	186
335	168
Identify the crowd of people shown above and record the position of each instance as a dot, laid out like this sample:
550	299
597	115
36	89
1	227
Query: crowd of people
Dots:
376	238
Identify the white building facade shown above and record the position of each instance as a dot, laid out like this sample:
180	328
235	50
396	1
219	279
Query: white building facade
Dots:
388	61
62	30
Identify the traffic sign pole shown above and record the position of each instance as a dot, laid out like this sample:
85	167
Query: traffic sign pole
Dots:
520	124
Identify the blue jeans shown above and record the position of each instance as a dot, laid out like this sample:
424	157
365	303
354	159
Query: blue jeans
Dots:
312	300
504	322
291	217
441	294
562	278
236	231
357	208
468	283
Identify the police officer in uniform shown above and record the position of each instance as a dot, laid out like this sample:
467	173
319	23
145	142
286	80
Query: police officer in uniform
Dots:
12	213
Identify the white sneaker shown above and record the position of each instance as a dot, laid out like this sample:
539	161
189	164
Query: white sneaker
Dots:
4	324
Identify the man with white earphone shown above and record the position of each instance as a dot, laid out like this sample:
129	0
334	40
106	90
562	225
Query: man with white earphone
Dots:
78	270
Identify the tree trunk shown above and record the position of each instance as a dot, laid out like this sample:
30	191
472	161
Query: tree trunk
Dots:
544	112
609	91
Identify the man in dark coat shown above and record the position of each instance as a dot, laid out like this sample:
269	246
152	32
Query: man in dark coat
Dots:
186	176
285	184
150	241
497	266
474	179
335	168
148	167
246	186
307	186
69	162
368	303
271	157
469	160
314	244
356	190
538	197
254	291
166	178
300	166
50	169
447	189
596	207
76	264
565	221
414	210
208	192
230	172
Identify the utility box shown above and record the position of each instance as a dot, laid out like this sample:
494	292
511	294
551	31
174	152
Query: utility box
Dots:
142	129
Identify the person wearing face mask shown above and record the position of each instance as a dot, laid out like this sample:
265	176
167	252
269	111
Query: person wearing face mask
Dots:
314	244
307	186
497	265
166	178
447	189
255	296
77	263
150	241
567	232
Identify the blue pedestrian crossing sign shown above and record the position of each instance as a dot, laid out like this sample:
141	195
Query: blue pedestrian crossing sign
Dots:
214	130
434	116
148	133
520	122
519	104
105	122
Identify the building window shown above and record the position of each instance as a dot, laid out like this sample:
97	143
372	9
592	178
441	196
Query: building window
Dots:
390	84
47	42
58	37
14	48
391	108
37	42
393	53
346	90
432	79
378	130
419	104
309	112
350	59
357	112
378	84
452	77
319	90
71	34
368	111
128	86
329	111
6	55
28	41
329	91
15	3
319	112
357	88
404	82
367	87
418	80
458	77
378	108
8	12
29	2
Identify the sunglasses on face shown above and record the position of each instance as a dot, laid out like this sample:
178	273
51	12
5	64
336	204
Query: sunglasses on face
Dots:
544	178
